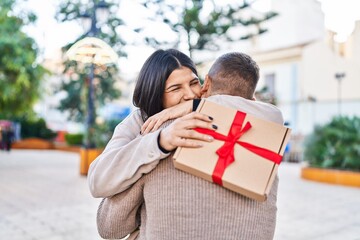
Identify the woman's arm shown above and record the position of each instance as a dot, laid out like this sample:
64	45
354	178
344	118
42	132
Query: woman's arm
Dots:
127	156
154	122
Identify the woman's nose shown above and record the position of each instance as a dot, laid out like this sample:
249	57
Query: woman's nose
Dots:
189	94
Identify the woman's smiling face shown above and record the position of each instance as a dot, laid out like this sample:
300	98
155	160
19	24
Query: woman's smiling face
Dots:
182	85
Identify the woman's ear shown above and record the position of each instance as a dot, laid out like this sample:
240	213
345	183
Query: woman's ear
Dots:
205	90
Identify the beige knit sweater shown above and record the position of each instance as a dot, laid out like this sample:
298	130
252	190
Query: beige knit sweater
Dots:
171	204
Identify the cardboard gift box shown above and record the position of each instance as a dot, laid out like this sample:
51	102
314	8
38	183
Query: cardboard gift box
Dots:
245	155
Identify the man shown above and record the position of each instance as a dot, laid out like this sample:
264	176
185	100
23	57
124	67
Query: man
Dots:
170	204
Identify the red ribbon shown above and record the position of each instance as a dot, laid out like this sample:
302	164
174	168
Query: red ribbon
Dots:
226	151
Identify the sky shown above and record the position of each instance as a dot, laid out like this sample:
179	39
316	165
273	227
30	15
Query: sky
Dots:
51	35
340	16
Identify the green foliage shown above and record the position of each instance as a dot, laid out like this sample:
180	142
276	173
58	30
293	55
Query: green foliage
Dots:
74	138
75	95
104	132
76	87
20	75
36	128
335	145
72	10
204	22
76	75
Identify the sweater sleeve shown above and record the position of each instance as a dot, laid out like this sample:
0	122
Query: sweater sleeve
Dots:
127	156
119	215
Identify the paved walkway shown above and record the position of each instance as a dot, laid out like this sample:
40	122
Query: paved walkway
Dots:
43	197
315	211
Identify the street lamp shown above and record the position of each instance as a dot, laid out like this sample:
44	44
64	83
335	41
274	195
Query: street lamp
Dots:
99	10
339	76
95	52
98	14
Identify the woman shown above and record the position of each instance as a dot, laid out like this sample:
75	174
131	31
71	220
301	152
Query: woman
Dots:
167	78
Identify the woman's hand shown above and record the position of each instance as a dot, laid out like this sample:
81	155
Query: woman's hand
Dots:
181	134
154	122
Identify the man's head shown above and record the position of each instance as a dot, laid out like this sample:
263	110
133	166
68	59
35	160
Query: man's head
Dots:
234	74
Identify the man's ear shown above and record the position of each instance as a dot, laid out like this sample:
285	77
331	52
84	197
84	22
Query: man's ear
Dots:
206	86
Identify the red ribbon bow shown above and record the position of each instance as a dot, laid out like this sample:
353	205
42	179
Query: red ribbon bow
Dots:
226	151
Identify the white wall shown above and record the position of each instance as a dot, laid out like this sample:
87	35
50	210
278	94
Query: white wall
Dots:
312	73
286	88
299	21
320	66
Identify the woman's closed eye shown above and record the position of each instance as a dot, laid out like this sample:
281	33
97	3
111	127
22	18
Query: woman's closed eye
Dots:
193	83
173	89
178	87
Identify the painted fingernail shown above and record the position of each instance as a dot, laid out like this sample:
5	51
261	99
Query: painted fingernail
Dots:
214	126
211	118
210	138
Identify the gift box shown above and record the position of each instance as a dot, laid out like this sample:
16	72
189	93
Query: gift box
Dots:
245	155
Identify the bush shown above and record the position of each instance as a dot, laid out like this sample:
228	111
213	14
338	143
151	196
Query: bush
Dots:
335	145
74	139
36	128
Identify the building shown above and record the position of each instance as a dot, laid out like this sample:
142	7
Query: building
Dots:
312	77
314	81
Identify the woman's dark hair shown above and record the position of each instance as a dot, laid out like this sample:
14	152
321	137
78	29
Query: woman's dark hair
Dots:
150	85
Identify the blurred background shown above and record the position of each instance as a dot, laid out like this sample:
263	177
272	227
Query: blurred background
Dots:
308	53
68	70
